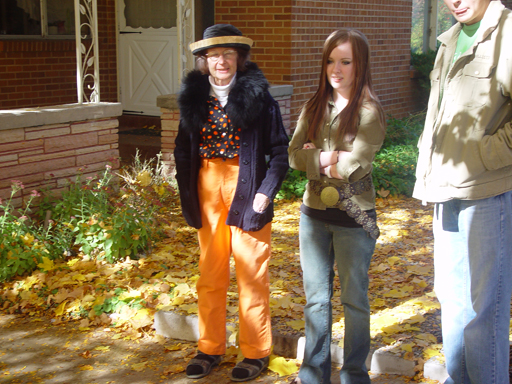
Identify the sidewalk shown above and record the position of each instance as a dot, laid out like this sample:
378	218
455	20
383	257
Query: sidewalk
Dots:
33	350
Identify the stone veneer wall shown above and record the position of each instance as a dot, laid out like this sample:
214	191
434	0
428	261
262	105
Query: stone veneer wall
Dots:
45	147
171	118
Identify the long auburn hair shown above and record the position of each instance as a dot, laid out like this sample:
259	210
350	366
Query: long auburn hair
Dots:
316	109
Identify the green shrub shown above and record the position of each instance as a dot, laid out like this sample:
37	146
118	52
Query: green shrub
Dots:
94	216
293	185
21	244
394	169
424	63
404	131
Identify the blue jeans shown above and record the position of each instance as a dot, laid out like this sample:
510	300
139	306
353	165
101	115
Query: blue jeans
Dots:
473	281
320	245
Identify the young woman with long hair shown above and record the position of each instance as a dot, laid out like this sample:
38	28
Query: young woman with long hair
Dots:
339	131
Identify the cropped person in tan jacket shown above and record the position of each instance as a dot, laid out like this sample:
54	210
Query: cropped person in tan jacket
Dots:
465	168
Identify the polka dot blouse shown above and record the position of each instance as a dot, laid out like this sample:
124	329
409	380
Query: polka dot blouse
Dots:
219	138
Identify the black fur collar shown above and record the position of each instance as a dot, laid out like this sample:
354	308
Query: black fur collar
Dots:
246	99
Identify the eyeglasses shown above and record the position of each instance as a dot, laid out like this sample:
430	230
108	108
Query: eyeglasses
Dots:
215	56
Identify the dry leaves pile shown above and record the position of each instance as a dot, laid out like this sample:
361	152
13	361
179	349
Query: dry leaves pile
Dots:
125	295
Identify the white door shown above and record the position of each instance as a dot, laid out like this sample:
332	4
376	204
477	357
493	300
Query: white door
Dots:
148	54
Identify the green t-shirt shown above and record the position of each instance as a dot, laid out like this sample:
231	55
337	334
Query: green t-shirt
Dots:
466	39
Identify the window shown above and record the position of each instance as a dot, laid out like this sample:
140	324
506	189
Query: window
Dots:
23	18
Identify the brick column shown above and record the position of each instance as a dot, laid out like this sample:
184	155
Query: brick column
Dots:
170	121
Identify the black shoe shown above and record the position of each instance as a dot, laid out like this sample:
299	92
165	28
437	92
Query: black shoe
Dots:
249	369
201	365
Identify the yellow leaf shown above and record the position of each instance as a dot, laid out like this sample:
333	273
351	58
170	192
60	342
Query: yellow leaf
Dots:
178	300
416	319
281	366
407	347
79	277
175	368
28	239
144	178
139	367
298	325
394	293
379	302
47	264
388	340
432	351
102	348
181	290
394	328
73	262
86	368
392	260
175	347
131	294
59	311
427	337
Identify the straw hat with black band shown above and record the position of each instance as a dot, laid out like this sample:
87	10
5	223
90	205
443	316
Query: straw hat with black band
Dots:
221	35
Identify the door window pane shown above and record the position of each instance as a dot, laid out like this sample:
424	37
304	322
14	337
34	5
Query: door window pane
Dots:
20	17
150	13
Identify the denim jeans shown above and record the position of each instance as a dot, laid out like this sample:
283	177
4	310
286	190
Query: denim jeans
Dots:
473	281
320	245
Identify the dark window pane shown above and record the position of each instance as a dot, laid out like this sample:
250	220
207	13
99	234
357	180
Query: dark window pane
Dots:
20	17
61	17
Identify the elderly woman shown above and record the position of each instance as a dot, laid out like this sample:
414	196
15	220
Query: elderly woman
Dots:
231	158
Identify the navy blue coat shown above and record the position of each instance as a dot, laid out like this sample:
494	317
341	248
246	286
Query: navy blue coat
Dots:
263	157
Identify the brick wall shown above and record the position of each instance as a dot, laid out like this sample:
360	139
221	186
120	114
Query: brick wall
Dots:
289	36
43	71
46	156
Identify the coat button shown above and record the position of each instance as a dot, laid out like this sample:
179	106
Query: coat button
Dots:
477	72
244	181
245	144
241	197
246	162
236	213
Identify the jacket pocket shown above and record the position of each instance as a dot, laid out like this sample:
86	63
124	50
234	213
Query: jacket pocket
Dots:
475	85
435	83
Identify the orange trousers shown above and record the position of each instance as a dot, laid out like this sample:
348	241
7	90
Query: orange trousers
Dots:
251	251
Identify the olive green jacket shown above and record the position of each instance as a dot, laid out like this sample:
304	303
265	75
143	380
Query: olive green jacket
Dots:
465	151
367	142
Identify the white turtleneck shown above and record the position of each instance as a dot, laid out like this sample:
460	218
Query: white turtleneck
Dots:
221	92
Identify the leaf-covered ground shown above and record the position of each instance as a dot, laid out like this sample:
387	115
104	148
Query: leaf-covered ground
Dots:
125	295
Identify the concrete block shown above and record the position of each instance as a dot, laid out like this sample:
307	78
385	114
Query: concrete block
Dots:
385	362
181	327
62	143
97	157
94	126
20	145
6	158
286	346
49	132
12	135
176	326
435	370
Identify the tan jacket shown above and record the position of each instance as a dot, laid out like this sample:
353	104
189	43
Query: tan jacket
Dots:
466	146
367	142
